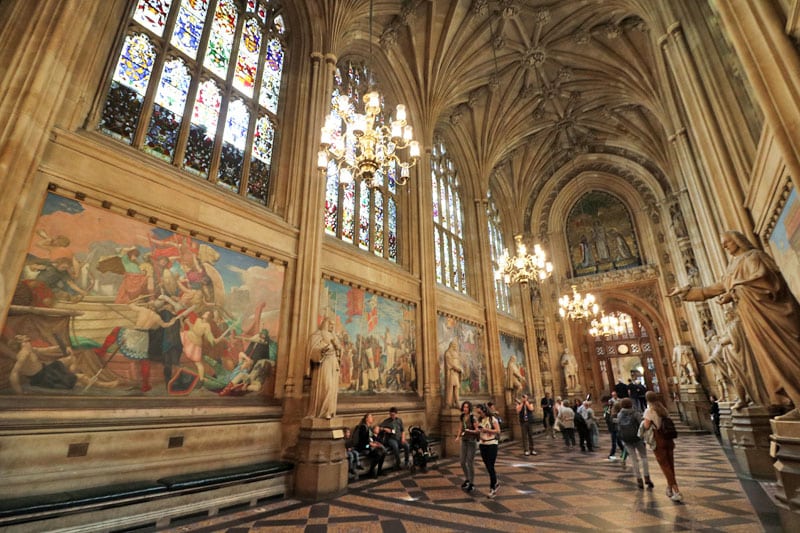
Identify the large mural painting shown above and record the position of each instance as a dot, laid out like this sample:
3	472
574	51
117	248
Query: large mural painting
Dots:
785	241
517	379
468	340
110	305
600	235
377	337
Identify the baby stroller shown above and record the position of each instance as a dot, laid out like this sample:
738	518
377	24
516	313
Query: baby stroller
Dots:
420	450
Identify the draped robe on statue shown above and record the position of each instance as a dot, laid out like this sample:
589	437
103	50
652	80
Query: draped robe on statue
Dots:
770	319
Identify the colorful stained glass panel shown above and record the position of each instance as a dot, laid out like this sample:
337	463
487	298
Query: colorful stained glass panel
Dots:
220	42
189	26
363	216
379	220
271	80
152	14
136	63
244	77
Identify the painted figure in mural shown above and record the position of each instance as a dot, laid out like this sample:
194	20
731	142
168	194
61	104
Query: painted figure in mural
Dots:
585	253
684	364
570	366
29	364
193	338
768	312
600	241
324	351
515	382
622	250
452	363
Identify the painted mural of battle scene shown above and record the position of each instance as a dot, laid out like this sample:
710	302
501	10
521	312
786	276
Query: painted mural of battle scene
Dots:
517	380
600	235
377	337
110	305
469	343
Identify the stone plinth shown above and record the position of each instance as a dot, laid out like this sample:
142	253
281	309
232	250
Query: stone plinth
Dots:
451	427
321	469
751	443
726	423
696	407
785	449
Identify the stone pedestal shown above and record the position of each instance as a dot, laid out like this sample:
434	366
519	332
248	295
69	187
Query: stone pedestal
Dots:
726	423
785	449
696	407
750	440
321	469
451	426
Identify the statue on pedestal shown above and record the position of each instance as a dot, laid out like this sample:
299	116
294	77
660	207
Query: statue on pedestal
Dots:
324	351
743	372
719	367
768	313
685	365
452	363
515	382
570	366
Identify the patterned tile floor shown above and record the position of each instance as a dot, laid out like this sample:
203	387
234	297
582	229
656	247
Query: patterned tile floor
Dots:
557	490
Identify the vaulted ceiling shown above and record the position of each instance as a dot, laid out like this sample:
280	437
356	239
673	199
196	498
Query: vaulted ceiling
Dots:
525	90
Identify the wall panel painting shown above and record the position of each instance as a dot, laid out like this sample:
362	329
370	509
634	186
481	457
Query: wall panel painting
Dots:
512	352
600	235
377	337
471	348
110	305
785	242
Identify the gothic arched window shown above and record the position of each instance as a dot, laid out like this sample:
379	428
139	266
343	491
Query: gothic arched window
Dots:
502	294
448	221
357	213
197	84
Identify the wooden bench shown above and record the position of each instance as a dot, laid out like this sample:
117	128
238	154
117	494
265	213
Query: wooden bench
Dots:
147	503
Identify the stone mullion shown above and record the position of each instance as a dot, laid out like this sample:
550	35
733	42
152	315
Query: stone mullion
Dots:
706	130
308	272
486	287
772	64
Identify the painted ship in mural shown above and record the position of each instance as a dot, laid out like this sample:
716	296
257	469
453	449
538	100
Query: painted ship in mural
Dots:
109	305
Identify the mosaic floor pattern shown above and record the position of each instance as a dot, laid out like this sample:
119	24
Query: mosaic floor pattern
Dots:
557	490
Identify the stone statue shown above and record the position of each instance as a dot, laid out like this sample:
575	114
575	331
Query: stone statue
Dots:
684	364
719	367
515	382
570	366
768	312
452	362
324	352
744	373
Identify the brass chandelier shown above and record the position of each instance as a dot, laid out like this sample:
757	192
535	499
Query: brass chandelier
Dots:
523	267
606	326
578	307
361	144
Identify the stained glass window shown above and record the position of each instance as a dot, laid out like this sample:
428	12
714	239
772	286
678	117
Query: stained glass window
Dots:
448	219
358	214
502	293
164	101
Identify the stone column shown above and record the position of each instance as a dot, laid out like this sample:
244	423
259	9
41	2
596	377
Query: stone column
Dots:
785	449
772	64
451	426
750	439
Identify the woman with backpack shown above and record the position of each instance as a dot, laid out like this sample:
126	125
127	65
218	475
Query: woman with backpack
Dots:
655	416
628	421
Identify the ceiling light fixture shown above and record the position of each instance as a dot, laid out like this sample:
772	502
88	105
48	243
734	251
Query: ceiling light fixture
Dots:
523	268
361	144
578	307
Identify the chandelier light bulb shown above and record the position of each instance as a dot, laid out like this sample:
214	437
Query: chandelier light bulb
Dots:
400	113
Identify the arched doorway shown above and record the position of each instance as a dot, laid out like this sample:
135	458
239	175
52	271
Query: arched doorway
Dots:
631	355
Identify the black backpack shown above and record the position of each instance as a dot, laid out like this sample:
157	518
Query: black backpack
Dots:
667	428
628	427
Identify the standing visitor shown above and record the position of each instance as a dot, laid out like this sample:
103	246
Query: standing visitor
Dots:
548	414
628	421
654	417
525	412
469	444
489	441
